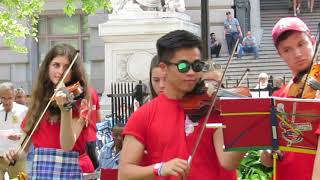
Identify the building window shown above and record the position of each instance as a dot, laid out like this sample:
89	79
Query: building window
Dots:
63	29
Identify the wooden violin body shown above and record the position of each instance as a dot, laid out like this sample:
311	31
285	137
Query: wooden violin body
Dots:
196	104
74	93
313	83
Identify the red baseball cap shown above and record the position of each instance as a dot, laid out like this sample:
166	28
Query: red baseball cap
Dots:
287	24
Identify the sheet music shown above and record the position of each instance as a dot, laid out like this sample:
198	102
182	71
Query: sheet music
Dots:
6	143
248	123
256	94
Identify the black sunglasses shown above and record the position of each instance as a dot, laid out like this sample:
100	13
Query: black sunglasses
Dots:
184	66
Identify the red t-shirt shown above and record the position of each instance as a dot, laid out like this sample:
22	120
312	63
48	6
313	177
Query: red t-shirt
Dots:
95	107
85	163
47	134
295	166
160	126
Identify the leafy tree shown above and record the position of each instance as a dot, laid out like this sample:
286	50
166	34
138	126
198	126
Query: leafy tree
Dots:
19	18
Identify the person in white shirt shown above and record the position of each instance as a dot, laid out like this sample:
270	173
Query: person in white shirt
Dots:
20	96
11	116
263	82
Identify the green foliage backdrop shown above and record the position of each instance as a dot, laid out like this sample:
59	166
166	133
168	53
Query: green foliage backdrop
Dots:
19	18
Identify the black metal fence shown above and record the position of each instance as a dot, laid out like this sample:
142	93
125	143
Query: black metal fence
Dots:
123	96
250	82
122	101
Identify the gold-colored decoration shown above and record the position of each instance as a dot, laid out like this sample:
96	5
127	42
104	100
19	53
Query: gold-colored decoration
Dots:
14	119
21	176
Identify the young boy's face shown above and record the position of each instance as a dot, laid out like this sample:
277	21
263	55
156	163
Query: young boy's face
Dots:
181	83
297	51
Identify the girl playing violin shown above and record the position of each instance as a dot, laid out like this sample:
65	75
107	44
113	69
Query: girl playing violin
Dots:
60	137
294	43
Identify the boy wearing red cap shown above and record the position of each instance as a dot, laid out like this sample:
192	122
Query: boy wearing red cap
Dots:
294	43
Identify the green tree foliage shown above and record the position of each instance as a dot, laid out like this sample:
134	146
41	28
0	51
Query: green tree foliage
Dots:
19	18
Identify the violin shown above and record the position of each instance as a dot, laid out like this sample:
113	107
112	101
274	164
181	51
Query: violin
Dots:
197	102
76	89
312	83
210	109
74	93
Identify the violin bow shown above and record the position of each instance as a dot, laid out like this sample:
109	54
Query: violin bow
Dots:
244	75
314	58
213	101
27	138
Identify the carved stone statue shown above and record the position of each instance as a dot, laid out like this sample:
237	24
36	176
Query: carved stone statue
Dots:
175	5
147	5
117	5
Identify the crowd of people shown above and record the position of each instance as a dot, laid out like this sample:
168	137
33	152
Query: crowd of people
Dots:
232	32
248	44
159	138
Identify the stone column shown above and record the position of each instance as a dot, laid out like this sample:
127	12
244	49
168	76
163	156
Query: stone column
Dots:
130	43
255	19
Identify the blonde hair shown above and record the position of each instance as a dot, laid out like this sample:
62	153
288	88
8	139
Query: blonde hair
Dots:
263	75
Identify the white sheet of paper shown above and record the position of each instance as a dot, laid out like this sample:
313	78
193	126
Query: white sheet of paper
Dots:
6	143
256	94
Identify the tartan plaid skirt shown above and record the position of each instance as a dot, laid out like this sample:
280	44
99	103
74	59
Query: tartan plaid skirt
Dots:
54	164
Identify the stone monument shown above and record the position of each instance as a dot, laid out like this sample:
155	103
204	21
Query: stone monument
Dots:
130	37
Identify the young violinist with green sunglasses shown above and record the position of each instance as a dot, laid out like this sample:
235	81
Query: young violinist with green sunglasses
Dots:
159	137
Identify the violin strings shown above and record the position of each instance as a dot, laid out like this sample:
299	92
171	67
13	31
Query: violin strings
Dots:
214	98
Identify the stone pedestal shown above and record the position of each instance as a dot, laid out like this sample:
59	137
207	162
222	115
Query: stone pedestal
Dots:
256	22
130	43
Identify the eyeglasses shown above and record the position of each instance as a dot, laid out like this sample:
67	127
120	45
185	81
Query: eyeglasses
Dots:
7	99
184	66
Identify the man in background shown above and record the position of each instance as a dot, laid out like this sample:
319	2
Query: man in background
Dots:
20	96
215	46
11	116
232	31
249	45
